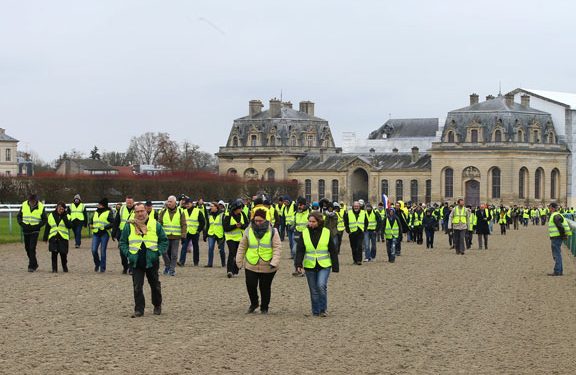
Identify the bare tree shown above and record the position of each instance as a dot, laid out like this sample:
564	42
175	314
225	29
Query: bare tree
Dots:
144	148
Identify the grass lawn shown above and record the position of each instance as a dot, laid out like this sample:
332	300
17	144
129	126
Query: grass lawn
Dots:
14	236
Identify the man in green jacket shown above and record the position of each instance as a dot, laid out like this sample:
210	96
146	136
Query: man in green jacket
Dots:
143	241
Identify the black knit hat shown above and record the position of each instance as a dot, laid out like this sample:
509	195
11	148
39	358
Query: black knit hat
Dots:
104	202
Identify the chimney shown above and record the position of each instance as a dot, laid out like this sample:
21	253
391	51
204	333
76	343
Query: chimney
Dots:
509	100
1	130
489	97
394	150
415	154
525	100
307	107
287	105
254	107
473	99
275	107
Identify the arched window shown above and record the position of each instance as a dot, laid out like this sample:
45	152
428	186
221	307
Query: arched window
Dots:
321	189
270	174
335	192
251	174
551	139
522	179
495	175
428	197
520	136
310	140
399	190
272	141
554	184
232	172
450	137
253	140
414	191
384	186
536	136
474	135
497	136
308	190
538	183
235	142
448	183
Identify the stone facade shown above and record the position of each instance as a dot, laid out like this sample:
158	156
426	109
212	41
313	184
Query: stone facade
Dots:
8	154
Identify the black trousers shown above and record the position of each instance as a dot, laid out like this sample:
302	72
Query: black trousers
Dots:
418	234
56	247
232	250
356	240
459	239
151	274
124	260
429	238
262	280
30	242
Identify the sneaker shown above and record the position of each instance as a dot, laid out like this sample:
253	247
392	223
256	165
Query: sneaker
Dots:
166	270
172	273
180	264
367	260
208	266
323	314
264	311
296	274
554	274
96	268
229	275
157	310
137	314
251	309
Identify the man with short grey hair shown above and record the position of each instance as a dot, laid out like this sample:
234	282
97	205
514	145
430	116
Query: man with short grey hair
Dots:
458	222
173	221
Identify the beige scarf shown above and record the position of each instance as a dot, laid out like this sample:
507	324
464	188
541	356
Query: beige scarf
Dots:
141	227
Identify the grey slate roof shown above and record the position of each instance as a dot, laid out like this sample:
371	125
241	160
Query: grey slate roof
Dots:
93	165
498	104
377	162
6	138
405	128
285	113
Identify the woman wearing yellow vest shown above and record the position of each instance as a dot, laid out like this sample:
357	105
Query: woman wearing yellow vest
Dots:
316	253
259	252
216	233
57	234
143	241
78	219
101	223
234	223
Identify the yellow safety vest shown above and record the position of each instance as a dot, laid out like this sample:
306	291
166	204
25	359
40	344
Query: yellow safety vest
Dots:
259	248
192	221
289	213
172	225
553	230
358	223
99	222
29	217
341	227
57	229
391	231
301	220
77	212
216	229
236	234
271	211
459	215
125	216
372	223
150	239
319	253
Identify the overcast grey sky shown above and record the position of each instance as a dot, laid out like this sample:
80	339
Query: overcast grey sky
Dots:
74	74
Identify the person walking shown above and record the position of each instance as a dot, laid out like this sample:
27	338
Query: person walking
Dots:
392	233
173	222
143	241
234	223
316	255
503	220
57	233
216	233
195	223
259	253
483	218
101	223
123	215
558	230
31	218
300	222
78	219
429	223
370	233
356	222
458	223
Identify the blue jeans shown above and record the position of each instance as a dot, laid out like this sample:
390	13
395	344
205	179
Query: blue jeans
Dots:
77	234
556	243
212	241
318	284
102	242
391	245
195	249
290	233
370	244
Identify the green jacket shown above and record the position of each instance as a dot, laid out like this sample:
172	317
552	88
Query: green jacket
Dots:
151	256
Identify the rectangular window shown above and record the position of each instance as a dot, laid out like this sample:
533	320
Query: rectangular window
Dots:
8	154
428	197
449	183
384	187
414	191
335	193
474	136
308	190
310	141
399	190
521	185
321	189
253	140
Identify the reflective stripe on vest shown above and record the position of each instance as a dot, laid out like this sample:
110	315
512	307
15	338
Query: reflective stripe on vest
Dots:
459	215
341	227
301	220
57	229
125	215
319	253
236	234
358	222
192	221
216	228
553	229
150	239
418	218
32	217
259	248
372	220
172	225
77	212
289	213
391	231
99	222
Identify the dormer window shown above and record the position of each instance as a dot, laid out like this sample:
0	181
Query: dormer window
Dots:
310	140
235	142
536	136
293	142
497	136
520	136
272	141
253	140
474	135
450	136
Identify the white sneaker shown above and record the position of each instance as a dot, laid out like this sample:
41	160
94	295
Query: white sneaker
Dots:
367	260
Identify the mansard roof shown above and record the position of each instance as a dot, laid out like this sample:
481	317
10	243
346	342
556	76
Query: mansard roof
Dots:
406	128
376	162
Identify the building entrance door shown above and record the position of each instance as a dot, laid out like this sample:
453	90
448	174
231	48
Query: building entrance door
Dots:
360	185
472	193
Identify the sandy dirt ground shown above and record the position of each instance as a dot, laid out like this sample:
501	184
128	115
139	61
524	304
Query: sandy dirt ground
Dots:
432	312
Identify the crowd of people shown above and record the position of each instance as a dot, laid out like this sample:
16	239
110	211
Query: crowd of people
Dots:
253	231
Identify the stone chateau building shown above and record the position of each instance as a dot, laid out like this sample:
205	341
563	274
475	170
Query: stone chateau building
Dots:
8	156
497	151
